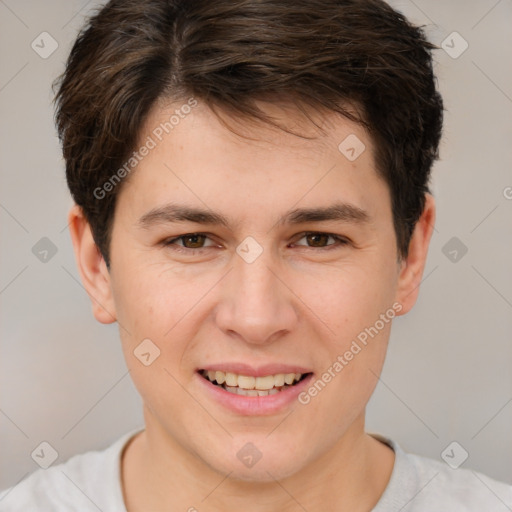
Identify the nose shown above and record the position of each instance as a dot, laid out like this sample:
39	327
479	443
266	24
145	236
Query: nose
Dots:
256	305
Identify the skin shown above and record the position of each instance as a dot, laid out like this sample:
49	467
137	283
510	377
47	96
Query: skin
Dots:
300	302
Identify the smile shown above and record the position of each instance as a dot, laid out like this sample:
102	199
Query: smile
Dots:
246	385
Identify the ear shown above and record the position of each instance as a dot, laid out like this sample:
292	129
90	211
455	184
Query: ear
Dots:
411	270
92	267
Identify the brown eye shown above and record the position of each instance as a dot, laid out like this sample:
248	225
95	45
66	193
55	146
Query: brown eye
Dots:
320	240
188	241
196	241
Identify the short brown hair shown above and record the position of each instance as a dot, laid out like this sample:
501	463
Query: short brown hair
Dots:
231	53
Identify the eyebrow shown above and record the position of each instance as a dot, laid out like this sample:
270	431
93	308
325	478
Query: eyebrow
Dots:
170	213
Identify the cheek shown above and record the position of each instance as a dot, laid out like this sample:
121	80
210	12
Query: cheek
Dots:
356	303
153	336
347	299
164	307
350	372
150	301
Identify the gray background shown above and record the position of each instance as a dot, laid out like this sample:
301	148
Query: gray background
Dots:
447	375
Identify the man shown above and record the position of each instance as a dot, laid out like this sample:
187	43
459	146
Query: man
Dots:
252	209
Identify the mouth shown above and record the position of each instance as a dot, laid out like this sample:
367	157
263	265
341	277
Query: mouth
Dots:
249	386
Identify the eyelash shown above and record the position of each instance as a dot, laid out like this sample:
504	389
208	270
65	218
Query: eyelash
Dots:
170	242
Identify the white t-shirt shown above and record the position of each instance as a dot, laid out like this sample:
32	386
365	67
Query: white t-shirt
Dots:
92	481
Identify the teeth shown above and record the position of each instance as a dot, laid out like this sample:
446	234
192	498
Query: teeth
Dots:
263	383
252	392
289	378
279	380
252	386
231	379
248	382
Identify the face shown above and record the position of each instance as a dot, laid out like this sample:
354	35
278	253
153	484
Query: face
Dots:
286	283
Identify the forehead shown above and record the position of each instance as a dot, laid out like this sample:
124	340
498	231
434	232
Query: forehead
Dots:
299	127
195	155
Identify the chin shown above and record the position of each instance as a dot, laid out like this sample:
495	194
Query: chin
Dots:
259	461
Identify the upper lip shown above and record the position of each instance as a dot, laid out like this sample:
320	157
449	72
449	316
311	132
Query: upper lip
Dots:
251	371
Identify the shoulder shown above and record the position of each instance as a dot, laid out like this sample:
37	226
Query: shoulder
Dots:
421	484
86	482
459	489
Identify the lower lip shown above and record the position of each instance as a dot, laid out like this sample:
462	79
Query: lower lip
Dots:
254	405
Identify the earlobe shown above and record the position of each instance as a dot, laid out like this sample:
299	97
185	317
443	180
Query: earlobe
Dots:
412	267
92	268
